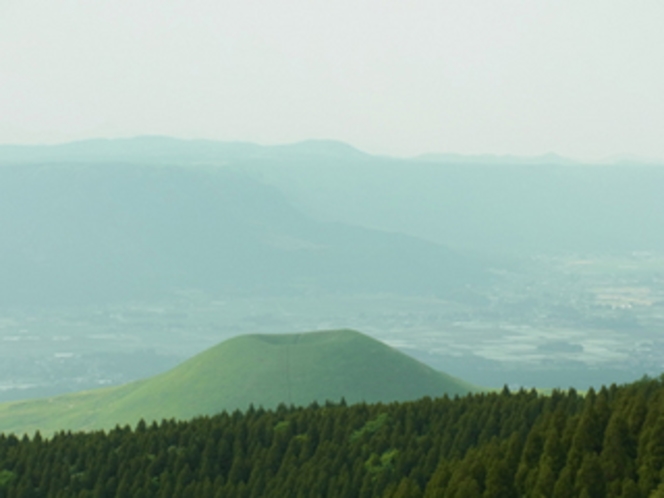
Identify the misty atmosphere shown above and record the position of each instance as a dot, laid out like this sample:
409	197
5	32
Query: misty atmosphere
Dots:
345	249
122	258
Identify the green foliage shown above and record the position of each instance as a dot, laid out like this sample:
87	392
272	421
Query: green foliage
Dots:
384	462
370	427
6	478
428	448
282	426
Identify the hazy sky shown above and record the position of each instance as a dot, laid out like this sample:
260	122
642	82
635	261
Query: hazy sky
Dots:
583	78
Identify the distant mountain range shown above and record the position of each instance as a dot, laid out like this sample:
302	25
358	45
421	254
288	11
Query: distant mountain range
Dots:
507	159
172	150
263	370
80	232
104	220
158	149
506	204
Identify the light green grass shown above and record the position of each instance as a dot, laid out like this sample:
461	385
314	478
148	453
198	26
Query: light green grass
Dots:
261	369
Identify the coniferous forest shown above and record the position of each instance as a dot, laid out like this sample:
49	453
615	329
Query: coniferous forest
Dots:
608	442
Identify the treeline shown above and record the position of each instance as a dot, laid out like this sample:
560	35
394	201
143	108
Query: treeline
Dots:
607	443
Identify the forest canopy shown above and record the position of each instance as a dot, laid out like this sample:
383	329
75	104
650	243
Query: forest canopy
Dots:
608	442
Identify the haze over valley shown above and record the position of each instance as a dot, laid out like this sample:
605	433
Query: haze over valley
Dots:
121	258
331	249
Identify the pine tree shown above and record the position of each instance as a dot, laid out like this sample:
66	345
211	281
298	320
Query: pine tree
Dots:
590	479
564	487
630	489
651	456
546	480
439	480
469	488
499	481
617	450
407	488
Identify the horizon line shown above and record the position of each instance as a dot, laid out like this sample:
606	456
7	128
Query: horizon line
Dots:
432	156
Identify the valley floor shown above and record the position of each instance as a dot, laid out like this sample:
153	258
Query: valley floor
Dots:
554	322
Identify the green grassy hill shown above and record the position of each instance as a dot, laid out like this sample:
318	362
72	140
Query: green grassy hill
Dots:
261	369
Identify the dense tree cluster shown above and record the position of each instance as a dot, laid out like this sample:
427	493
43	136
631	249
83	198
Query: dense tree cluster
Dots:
606	443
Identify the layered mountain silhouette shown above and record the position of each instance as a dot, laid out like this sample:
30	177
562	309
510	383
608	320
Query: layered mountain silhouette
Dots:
78	232
263	370
518	205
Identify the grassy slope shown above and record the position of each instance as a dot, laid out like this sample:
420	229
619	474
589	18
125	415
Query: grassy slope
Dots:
260	369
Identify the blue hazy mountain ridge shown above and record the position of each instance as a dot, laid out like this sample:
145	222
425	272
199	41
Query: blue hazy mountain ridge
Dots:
548	159
141	149
159	149
490	204
80	232
530	206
